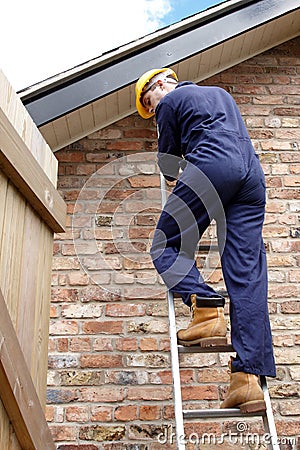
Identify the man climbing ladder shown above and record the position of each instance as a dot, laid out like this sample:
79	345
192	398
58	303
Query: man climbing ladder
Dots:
201	131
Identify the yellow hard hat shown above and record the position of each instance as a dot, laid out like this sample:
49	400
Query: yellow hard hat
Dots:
142	83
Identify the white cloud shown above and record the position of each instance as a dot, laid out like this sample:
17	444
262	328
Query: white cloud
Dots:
40	39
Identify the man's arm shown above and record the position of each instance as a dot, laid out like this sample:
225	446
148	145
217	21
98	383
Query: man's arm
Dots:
169	143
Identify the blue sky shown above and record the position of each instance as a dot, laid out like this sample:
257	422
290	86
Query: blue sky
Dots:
48	38
185	8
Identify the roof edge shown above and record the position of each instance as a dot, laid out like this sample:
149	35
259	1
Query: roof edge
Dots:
125	50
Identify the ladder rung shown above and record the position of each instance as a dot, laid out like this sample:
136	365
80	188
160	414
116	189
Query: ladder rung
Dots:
207	248
222	292
213	413
212	349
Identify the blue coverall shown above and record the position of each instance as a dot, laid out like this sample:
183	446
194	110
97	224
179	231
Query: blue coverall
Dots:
200	129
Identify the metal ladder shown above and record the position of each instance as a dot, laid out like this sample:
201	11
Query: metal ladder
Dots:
180	414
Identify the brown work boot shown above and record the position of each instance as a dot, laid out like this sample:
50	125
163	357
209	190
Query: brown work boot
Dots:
245	393
208	326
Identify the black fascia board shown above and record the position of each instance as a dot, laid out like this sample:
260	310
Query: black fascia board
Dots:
94	84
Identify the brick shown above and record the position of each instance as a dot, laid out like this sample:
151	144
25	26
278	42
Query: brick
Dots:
125	145
280	261
143	133
99	360
200	393
60	263
295	373
290	157
105	327
201	428
285	291
126	413
283	340
62	361
49	413
150	412
70	156
125	310
78	447
53	311
126	344
291	181
60	327
138	293
81	378
62	344
61	395
165	376
101	414
149	326
209	374
106	133
126	377
267	100
64	295
144	181
77	414
294	276
150	393
103	344
273	182
290	307
81	310
101	394
290	122
148	344
102	433
287	111
63	432
78	279
290	408
285	323
147	360
141	232
144	431
96	263
276	206
124	247
288	428
96	293
146	277
295	168
80	344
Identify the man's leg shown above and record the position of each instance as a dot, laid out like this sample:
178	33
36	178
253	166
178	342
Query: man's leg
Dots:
245	274
182	222
179	229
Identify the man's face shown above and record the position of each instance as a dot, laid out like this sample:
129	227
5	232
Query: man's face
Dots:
153	96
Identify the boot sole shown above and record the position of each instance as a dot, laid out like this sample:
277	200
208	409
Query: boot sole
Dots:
205	342
253	406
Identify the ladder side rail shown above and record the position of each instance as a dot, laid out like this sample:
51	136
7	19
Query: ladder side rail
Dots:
268	419
174	352
176	375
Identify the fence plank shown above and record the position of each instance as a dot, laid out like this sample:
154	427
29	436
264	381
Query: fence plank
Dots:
21	167
17	391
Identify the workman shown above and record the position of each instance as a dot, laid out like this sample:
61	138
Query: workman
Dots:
204	145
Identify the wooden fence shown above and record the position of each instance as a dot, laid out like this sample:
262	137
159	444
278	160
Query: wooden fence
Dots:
31	210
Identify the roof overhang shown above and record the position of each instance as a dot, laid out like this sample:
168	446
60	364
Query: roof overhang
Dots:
72	105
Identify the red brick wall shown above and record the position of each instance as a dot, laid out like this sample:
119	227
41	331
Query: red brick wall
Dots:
110	382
